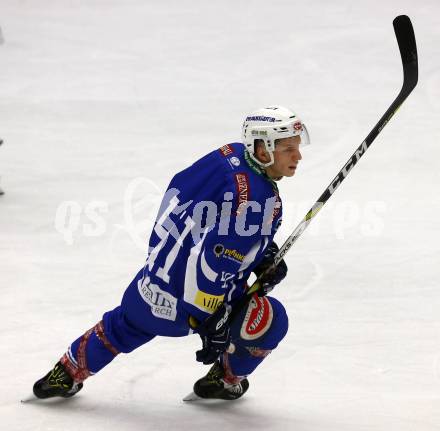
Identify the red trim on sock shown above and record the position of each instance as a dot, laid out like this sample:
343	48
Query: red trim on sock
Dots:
81	372
229	377
99	331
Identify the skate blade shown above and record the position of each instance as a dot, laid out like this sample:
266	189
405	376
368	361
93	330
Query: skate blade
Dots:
28	399
192	397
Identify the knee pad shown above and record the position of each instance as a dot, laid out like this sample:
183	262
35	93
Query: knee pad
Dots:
263	324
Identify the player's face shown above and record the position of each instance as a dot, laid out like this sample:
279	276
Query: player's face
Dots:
286	158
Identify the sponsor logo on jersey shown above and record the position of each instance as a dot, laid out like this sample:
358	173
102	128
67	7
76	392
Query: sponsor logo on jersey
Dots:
208	302
228	253
277	207
258	318
243	189
227	279
163	304
234	161
219	250
261	118
233	255
226	150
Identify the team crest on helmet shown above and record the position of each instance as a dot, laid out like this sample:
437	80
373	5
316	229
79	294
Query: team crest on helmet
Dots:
298	126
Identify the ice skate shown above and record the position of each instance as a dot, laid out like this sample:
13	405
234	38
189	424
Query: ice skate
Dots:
213	386
56	383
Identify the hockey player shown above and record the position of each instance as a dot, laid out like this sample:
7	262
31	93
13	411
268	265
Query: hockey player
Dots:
214	228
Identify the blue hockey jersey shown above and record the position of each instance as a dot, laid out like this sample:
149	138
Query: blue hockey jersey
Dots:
215	221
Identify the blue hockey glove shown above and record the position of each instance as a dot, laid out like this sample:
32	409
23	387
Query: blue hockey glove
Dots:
275	276
215	334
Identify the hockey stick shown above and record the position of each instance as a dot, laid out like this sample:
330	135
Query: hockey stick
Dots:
408	52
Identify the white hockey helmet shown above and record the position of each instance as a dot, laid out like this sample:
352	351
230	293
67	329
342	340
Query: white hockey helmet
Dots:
270	124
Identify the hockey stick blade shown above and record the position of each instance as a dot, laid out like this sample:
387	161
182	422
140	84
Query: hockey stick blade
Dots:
408	51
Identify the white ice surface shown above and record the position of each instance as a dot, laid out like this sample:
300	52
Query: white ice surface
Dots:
101	102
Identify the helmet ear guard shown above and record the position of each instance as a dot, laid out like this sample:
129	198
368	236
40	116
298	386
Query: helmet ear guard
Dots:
268	125
260	133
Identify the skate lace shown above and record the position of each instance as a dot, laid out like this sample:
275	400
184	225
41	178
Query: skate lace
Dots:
214	376
59	379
